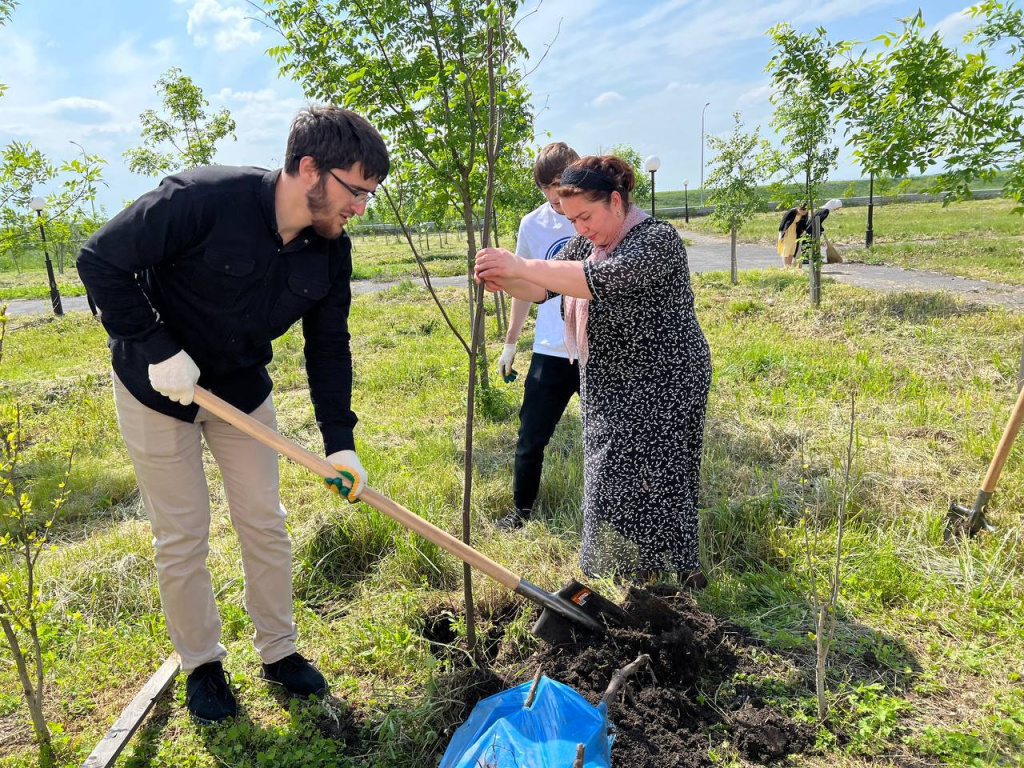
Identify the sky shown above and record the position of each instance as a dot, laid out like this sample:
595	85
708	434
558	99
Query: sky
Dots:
615	71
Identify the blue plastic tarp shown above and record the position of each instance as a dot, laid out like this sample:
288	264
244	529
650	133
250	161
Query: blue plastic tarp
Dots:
502	732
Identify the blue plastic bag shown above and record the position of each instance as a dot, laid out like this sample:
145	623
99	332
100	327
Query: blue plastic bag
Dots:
502	733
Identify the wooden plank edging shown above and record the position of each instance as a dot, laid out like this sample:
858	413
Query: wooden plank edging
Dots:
131	717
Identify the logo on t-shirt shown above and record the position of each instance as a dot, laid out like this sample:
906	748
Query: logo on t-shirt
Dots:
555	248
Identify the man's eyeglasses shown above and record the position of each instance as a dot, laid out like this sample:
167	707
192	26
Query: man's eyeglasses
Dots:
360	195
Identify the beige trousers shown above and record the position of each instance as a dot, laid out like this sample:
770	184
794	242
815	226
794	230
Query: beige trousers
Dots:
168	458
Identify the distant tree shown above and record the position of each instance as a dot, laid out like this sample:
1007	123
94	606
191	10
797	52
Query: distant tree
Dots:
743	161
803	86
515	193
417	70
933	105
24	170
642	191
186	128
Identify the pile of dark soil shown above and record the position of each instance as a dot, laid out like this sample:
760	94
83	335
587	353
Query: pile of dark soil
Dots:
671	713
667	721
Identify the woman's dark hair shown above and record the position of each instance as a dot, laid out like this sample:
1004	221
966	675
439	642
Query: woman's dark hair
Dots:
336	138
551	161
614	169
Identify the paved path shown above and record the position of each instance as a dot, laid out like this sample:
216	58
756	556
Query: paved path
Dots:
711	254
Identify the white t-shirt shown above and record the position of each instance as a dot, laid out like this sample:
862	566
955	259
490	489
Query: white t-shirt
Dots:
542	233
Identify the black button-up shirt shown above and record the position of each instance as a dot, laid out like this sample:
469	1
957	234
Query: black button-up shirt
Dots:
197	264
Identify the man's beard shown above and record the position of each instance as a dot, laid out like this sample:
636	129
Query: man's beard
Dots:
324	223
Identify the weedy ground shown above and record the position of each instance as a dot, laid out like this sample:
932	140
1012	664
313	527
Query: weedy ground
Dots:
928	659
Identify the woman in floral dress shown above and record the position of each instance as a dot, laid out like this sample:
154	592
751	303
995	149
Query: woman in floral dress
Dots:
645	370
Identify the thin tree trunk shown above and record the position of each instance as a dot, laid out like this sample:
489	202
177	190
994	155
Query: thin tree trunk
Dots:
467	484
33	694
733	265
815	250
498	313
477	344
500	295
816	266
467	218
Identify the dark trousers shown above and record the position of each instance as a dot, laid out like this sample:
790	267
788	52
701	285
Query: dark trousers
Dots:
550	384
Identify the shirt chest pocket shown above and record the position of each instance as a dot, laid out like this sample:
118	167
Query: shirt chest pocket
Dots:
222	276
298	297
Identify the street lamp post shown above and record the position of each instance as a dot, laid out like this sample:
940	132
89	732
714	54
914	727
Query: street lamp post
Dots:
702	154
37	204
686	201
651	165
869	236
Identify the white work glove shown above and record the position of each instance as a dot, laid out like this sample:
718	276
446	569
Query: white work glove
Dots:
508	354
175	377
352	478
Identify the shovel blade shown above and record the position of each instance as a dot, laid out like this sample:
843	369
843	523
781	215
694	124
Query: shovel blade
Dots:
555	629
961	520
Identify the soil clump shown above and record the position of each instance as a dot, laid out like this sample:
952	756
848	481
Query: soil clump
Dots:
669	715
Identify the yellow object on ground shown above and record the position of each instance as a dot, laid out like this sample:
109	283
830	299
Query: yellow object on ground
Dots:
787	243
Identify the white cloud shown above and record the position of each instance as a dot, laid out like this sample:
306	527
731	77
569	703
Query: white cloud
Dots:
126	59
224	25
263	95
608	97
76	103
759	94
953	28
23	62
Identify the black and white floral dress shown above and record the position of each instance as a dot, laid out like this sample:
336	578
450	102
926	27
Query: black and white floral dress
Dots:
643	394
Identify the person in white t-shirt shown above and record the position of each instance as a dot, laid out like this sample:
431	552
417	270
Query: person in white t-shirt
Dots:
552	379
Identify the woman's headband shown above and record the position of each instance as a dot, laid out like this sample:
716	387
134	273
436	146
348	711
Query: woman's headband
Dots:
586	178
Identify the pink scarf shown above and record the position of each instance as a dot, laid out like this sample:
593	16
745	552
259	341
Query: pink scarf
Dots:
578	310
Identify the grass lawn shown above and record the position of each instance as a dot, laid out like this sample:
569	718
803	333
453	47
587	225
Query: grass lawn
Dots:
837	188
377	258
895	223
927	664
999	259
33	283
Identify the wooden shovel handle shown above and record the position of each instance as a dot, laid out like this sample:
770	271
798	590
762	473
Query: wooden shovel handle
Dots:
326	470
1005	444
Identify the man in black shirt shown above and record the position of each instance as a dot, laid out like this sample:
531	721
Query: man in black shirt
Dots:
194	281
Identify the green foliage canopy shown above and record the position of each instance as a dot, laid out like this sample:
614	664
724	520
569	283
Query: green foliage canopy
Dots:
642	190
924	102
418	71
191	132
802	80
742	163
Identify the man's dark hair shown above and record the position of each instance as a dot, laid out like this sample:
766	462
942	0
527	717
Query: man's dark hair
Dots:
551	161
336	138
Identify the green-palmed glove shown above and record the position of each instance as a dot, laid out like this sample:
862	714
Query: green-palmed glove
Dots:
351	478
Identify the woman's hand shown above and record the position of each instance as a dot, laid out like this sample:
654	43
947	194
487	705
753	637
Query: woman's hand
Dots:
495	267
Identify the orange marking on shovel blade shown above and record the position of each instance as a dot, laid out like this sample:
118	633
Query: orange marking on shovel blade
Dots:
581	597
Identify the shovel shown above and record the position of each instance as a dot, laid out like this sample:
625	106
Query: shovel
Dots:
973	520
575	606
